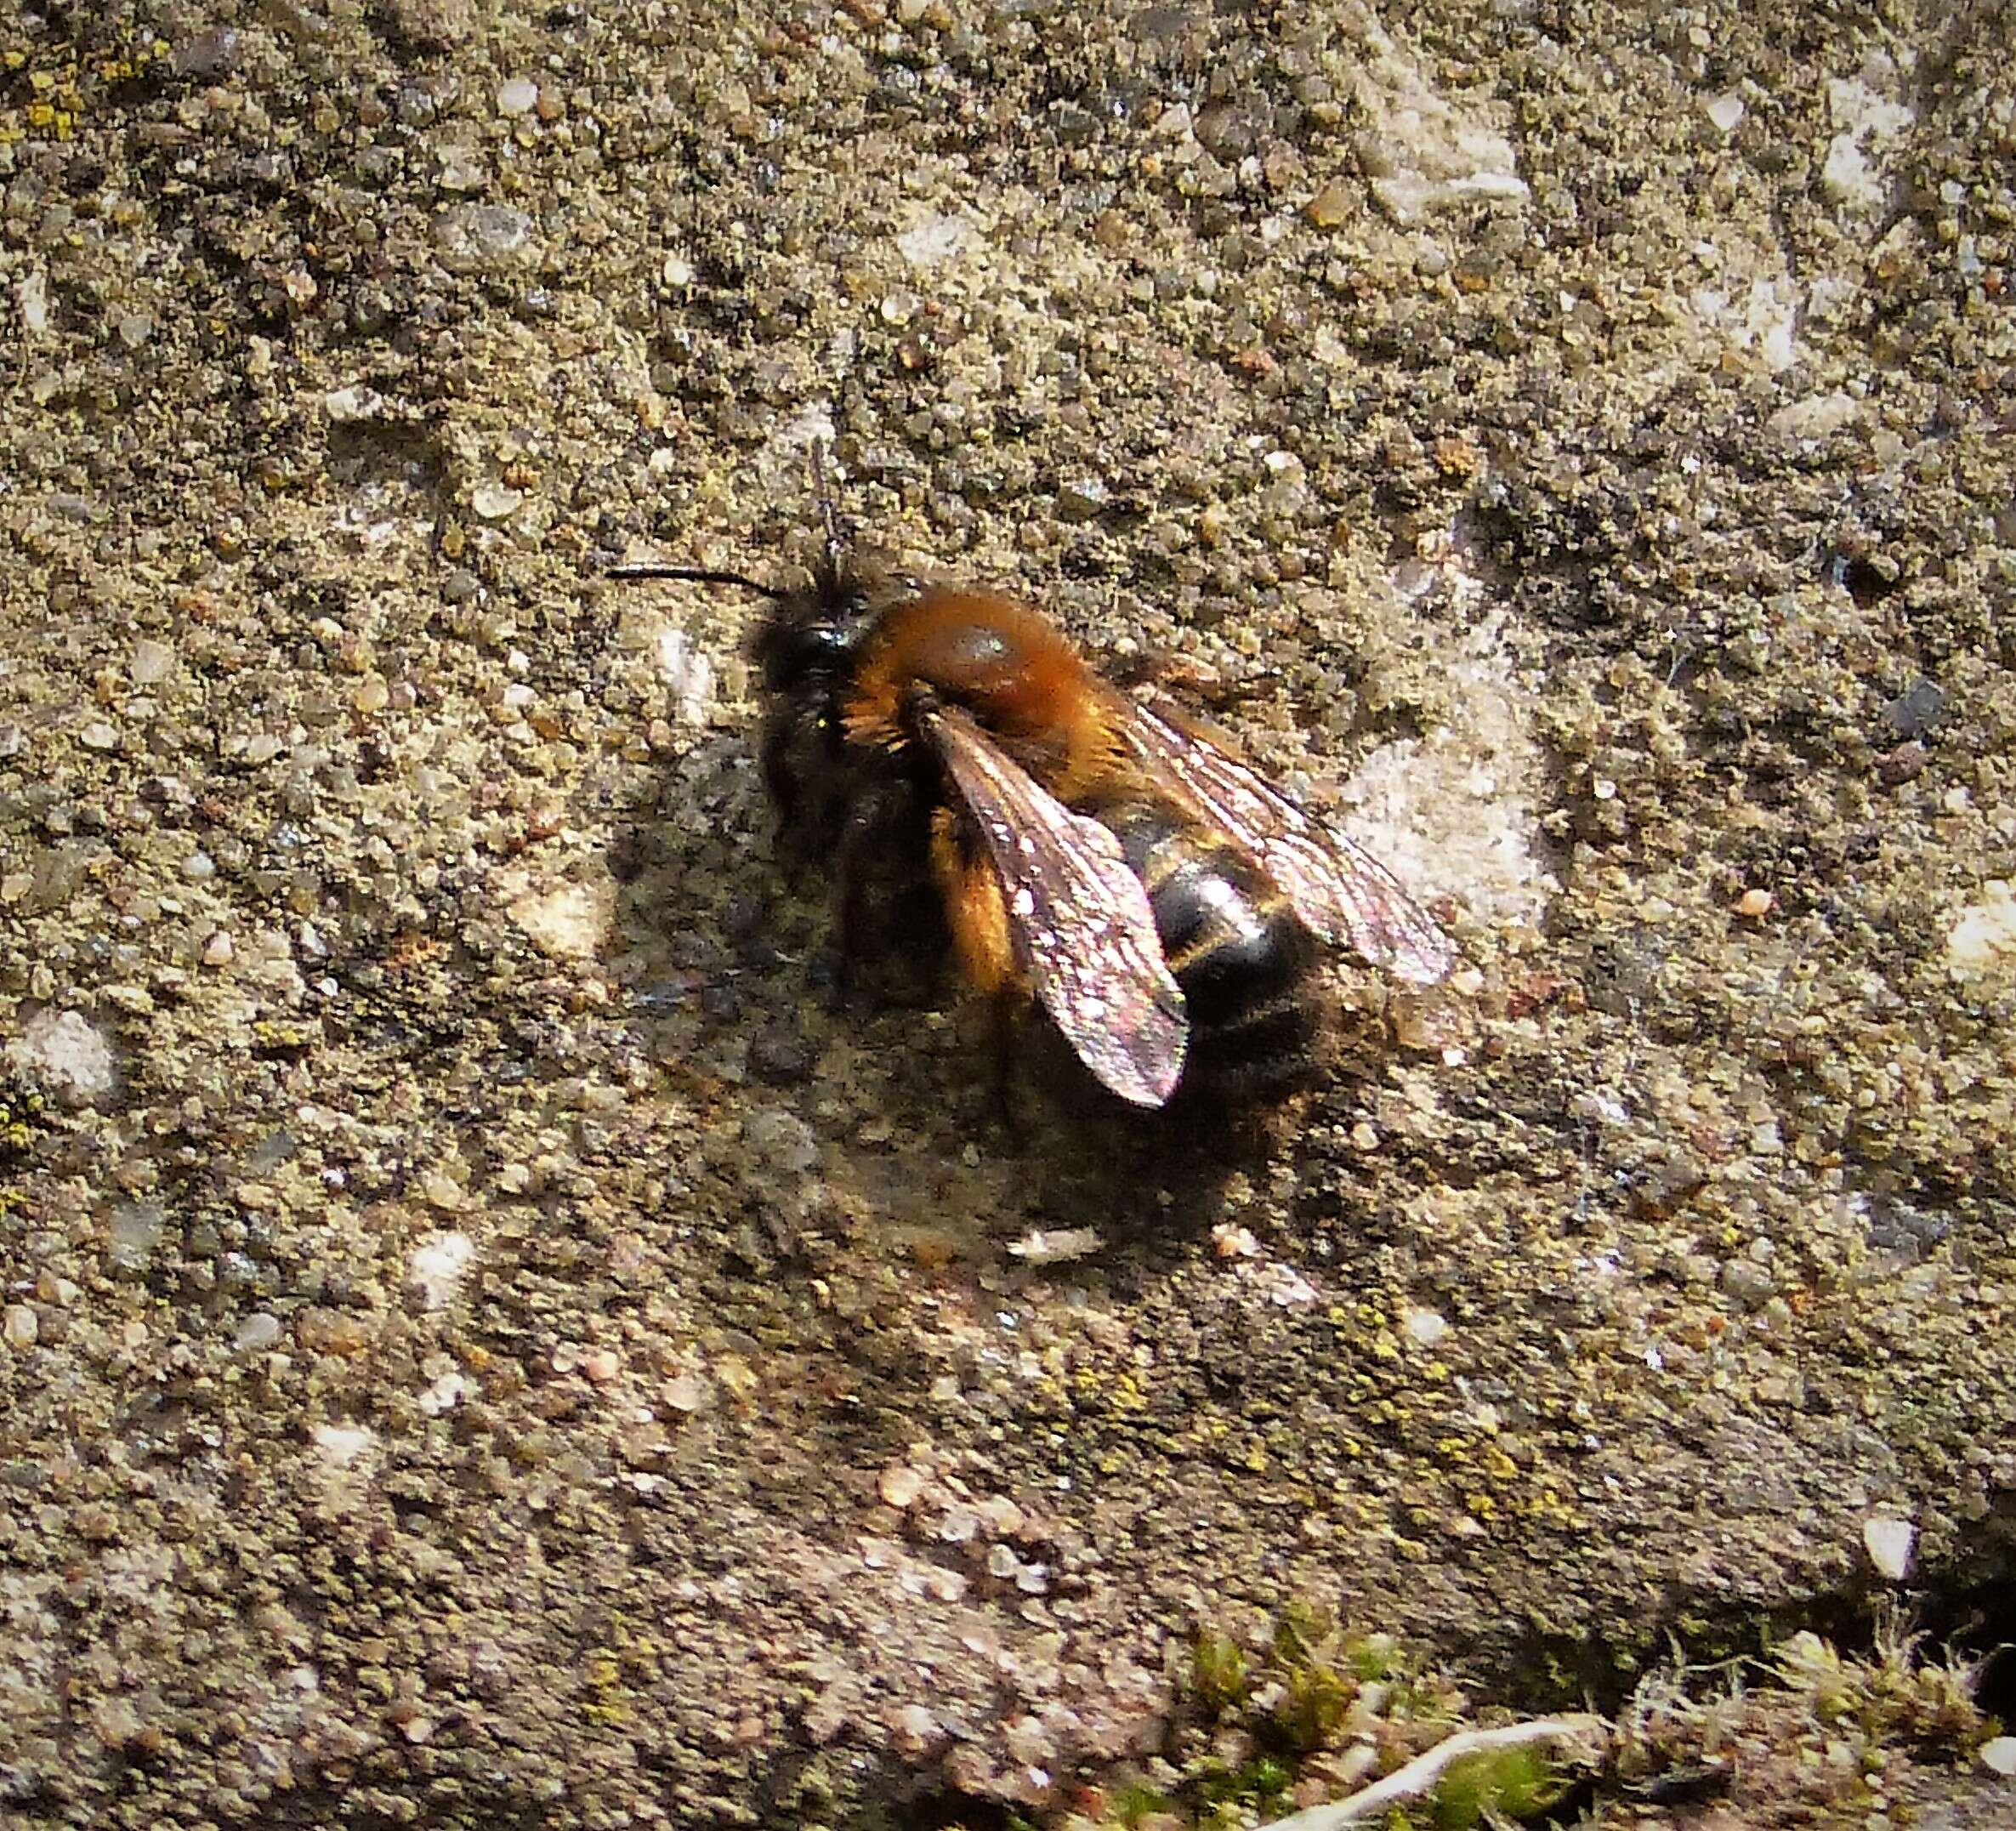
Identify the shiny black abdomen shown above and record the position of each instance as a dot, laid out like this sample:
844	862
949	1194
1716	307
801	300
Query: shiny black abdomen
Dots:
1248	963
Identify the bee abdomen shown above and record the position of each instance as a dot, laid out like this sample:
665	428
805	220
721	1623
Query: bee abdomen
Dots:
1245	960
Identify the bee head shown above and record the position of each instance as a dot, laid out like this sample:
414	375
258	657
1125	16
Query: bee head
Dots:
802	646
810	633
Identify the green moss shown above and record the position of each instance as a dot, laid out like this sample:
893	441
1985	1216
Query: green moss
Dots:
1503	1783
1309	1657
1218	1680
1128	1806
1313	1703
1376	1656
1231	1795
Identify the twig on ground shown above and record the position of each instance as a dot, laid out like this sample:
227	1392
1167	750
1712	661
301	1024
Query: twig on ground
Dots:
1420	1774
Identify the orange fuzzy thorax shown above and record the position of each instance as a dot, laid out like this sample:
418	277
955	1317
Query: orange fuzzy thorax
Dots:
1019	676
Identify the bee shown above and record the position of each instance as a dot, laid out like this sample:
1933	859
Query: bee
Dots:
1095	851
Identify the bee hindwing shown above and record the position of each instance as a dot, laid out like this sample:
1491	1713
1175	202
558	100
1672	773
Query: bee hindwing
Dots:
1344	894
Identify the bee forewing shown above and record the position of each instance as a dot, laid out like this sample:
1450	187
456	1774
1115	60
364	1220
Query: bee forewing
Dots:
1081	919
1344	894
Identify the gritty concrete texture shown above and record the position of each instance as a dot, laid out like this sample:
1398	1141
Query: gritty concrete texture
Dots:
492	1339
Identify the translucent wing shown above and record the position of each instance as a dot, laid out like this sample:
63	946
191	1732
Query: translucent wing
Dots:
1081	920
1339	888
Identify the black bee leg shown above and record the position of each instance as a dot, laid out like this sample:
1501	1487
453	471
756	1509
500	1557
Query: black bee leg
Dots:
851	927
856	927
1005	1014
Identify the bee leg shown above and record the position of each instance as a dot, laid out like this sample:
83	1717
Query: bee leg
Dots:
1005	1014
976	916
853	927
873	851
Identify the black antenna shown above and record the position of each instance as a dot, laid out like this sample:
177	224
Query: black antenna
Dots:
833	559
698	574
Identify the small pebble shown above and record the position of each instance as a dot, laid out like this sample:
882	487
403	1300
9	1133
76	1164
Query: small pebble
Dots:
439	1189
783	1139
1999	1756
474	237
900	1485
347	405
1331	205
935	240
1915	711
689	676
1425	1326
1055	1245
257	1332
915	1730
1985	934
686	1392
519	96
134	1233
1896	767
1003	1517
331	1331
779	1055
444	1394
116	1724
439	1262
1754	903
67	1053
20	1326
215	52
1890	1544
496	502
1028	1741
1083	498
341	1445
1725	110
33	292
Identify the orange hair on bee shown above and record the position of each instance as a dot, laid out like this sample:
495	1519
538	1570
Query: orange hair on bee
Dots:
1019	674
974	910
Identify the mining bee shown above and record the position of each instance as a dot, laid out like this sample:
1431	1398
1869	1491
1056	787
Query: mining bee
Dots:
1095	850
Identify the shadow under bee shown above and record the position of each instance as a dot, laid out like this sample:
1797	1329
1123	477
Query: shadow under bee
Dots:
972	790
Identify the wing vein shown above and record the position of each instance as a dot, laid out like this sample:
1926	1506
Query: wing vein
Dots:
1081	921
1345	894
